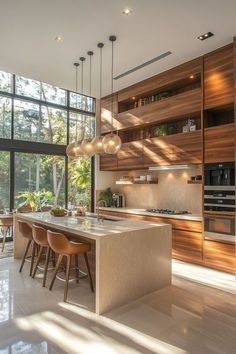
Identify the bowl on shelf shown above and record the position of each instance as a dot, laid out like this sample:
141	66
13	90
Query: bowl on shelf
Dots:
58	211
143	178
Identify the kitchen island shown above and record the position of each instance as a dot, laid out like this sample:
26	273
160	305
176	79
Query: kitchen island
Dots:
132	258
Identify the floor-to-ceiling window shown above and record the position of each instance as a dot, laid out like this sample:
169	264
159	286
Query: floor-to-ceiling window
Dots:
37	121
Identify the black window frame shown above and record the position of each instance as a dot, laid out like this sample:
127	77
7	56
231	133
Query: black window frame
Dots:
14	145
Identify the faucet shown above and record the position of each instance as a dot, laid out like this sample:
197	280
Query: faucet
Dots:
101	201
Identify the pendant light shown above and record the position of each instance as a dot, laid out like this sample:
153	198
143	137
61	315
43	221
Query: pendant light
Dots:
87	144
73	147
97	141
111	142
78	150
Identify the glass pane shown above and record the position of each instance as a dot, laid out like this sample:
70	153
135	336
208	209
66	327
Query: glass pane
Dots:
27	87
39	180
4	180
53	127
79	183
5	82
27	121
81	125
5	117
84	103
53	94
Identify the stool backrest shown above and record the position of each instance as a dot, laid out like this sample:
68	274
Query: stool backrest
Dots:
4	221
25	229
39	235
57	241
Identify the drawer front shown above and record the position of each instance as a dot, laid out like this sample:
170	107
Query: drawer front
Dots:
219	255
188	245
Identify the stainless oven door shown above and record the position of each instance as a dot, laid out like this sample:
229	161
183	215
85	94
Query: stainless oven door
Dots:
219	228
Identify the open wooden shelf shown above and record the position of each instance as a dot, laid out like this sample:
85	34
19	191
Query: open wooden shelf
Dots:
135	182
190	181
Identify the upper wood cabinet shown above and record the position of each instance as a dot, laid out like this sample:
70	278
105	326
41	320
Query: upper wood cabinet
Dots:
106	105
108	163
219	143
180	105
219	77
162	80
130	156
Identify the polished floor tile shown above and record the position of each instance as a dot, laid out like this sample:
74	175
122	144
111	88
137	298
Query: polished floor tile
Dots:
187	317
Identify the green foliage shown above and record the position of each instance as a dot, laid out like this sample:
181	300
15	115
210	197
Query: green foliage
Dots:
35	200
107	196
163	129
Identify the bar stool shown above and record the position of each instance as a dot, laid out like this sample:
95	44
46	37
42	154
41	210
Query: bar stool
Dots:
40	239
5	223
64	247
26	232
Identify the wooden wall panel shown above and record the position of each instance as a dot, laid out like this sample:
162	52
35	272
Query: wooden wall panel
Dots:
183	104
187	147
218	77
219	143
108	163
161	80
106	104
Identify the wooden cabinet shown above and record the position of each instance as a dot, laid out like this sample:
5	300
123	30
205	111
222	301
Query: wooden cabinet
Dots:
220	256
219	78
106	104
162	80
219	143
108	163
187	245
183	104
173	149
130	156
187	147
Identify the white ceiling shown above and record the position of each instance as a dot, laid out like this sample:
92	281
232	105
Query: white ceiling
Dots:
28	29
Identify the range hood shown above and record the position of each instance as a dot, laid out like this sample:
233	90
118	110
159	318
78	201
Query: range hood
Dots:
170	167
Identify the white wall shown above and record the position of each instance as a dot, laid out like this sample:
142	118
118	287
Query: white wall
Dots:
171	192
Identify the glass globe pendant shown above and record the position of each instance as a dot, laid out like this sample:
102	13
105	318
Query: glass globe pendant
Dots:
87	147
78	150
111	143
70	150
98	145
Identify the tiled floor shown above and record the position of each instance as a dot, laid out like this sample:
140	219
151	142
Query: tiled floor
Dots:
187	317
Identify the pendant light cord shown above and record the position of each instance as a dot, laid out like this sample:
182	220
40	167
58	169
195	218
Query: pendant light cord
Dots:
82	91
90	53
76	93
112	85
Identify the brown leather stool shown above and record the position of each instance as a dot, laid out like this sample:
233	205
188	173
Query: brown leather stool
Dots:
6	222
40	239
26	232
64	247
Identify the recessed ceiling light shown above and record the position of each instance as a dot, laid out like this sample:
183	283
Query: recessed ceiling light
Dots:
126	12
58	39
204	36
191	76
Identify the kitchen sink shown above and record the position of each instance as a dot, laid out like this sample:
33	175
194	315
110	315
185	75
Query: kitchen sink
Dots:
108	218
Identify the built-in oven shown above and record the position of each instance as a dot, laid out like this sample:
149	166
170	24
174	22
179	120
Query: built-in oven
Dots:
219	228
219	186
219	174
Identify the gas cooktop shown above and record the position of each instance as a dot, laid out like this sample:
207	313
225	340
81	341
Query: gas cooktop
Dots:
167	211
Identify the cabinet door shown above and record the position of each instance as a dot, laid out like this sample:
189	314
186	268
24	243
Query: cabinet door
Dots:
158	151
106	106
219	143
130	156
108	163
187	147
219	255
188	245
219	77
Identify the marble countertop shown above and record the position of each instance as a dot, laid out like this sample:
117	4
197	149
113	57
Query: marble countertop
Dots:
89	226
192	217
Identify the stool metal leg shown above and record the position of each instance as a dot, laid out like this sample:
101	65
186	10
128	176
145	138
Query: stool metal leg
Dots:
89	273
25	254
77	268
68	264
59	259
